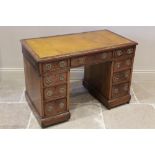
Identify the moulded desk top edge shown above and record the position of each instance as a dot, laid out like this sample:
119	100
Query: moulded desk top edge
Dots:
87	43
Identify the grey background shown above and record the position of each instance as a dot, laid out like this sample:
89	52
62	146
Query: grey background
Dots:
10	48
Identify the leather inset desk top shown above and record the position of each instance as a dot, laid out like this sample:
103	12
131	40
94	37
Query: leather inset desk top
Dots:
72	44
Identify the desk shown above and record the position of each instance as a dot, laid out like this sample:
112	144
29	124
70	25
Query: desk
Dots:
108	63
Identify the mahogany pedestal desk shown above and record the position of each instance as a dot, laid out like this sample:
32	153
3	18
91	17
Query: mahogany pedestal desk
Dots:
108	61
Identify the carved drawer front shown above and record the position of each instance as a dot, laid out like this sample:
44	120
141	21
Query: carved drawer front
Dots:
56	107
92	59
99	57
53	66
119	52
123	52
122	64
55	92
120	90
79	61
121	76
51	80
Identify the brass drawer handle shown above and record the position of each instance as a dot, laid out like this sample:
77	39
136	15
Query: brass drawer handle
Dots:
49	93
104	55
62	90
119	52
48	67
61	105
62	64
50	108
61	78
130	51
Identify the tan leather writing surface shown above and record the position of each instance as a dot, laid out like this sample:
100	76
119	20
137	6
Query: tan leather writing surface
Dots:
68	44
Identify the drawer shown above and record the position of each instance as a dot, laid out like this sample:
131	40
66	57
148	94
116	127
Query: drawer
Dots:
122	64
54	79
78	61
56	107
123	52
55	92
121	76
99	57
53	66
92	59
120	90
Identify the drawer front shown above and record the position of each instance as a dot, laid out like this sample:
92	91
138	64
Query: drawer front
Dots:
56	107
122	64
105	56
53	66
51	80
123	52
120	90
95	58
121	76
79	61
55	92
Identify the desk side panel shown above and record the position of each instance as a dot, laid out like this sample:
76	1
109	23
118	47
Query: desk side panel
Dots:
33	86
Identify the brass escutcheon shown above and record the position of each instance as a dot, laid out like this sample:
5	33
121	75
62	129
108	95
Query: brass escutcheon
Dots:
81	60
119	52
118	65
61	105
61	78
49	93
48	66
50	108
130	51
62	64
104	55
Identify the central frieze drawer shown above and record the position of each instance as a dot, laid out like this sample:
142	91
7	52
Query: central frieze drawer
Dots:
55	92
54	79
95	58
56	107
120	90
